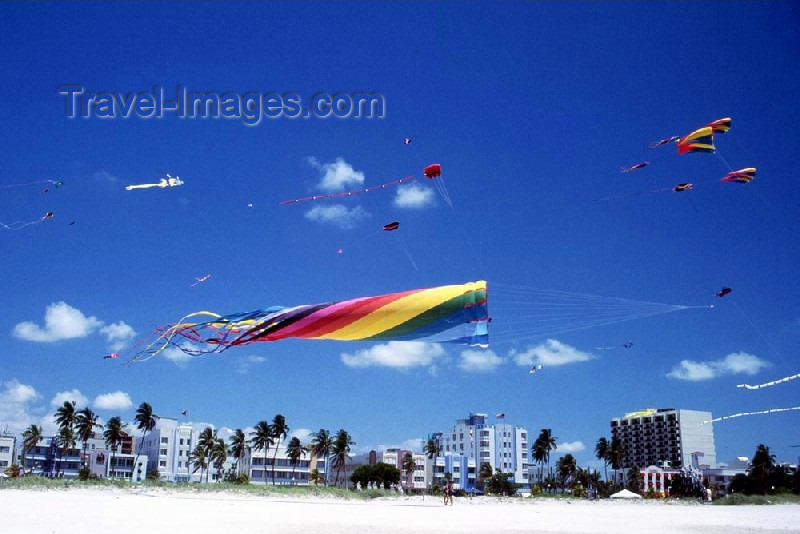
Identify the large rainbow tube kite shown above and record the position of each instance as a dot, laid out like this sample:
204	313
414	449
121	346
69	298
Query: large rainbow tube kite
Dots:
445	314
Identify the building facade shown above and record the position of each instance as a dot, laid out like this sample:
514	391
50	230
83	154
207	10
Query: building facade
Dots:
502	445
8	444
275	467
667	438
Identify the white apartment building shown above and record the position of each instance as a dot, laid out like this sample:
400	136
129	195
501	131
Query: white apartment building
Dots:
277	468
8	443
502	445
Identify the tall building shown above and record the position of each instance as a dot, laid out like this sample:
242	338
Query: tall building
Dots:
502	445
49	460
277	468
666	437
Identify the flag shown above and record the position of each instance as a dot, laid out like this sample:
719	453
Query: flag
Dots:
500	415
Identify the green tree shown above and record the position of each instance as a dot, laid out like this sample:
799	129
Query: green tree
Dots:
66	442
432	448
634	479
145	421
314	477
484	473
85	422
340	449
279	432
409	466
113	435
206	439
237	448
199	459
261	438
761	469
543	446
217	457
566	467
65	419
321	445
295	450
501	484
30	439
616	455
601	452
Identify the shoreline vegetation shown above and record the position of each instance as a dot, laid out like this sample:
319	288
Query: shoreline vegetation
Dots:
327	492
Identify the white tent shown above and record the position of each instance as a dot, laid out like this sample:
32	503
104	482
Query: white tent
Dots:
625	494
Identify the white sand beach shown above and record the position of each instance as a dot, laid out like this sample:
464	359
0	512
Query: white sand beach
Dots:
153	510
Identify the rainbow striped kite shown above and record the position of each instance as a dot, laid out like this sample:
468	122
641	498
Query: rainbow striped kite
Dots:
445	314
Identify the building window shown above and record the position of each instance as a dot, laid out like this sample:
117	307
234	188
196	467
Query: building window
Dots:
181	441
165	440
4	449
163	452
162	463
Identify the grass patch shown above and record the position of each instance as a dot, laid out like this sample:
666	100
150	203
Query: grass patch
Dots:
41	483
739	499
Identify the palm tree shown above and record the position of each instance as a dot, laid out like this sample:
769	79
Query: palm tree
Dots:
432	448
145	421
218	456
548	444
238	448
113	434
761	467
616	453
65	418
206	440
409	466
199	459
279	431
314	476
66	441
601	453
321	445
485	473
566	467
30	439
295	450
261	438
85	422
340	450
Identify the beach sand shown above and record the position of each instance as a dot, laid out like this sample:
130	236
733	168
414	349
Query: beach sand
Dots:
148	510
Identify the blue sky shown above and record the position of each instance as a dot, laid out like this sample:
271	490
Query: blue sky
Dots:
531	108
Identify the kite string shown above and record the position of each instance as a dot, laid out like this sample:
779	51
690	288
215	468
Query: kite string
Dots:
758	331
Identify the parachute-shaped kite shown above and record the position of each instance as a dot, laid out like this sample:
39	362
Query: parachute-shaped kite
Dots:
434	170
682	187
701	140
742	176
391	226
722	292
445	314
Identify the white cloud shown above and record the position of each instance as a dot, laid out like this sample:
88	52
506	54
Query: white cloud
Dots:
336	176
15	405
177	356
552	353
397	354
732	364
73	395
414	196
118	400
414	445
243	364
571	446
303	434
479	361
61	321
337	214
118	334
